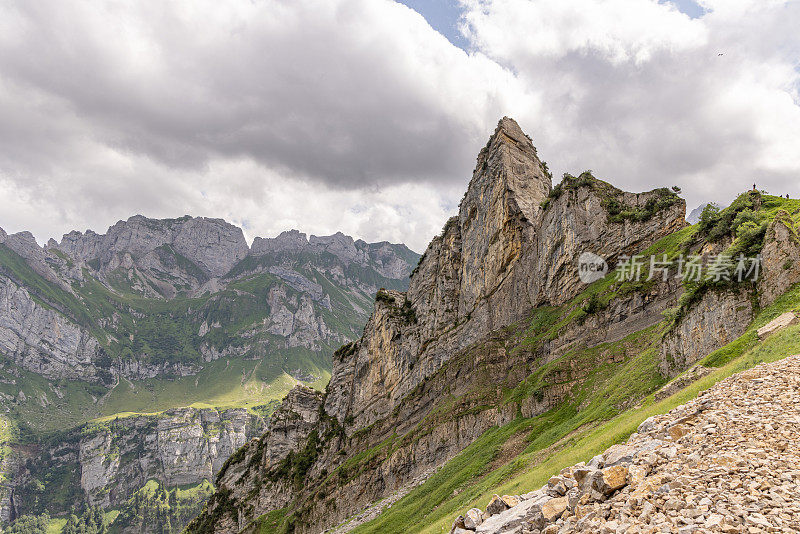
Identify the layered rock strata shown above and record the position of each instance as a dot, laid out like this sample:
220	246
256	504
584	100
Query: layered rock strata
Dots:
512	248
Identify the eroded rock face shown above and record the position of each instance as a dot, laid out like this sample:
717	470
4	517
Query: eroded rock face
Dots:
114	459
42	340
577	222
723	315
502	256
489	267
289	429
719	318
780	263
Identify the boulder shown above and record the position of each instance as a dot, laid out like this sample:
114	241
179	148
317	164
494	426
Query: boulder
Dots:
458	525
511	500
496	505
619	454
510	519
610	479
779	323
473	518
552	509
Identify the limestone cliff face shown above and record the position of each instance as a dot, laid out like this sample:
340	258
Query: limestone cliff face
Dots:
502	256
577	222
112	460
289	429
513	247
719	318
722	315
41	340
780	264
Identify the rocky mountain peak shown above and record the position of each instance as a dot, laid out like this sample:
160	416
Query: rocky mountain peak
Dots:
502	203
513	246
213	244
287	241
338	244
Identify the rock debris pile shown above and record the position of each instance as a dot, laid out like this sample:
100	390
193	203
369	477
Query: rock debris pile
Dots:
727	461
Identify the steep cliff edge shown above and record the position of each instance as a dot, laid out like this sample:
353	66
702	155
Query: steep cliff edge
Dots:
431	373
105	463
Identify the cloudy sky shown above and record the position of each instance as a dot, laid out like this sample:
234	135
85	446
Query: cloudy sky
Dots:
366	116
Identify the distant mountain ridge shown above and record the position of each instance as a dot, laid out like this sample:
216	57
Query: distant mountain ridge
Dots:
213	247
160	314
179	260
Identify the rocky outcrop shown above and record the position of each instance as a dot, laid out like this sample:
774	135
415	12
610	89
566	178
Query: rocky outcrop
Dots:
513	248
776	325
502	256
213	244
289	430
716	320
579	221
780	262
725	462
114	459
723	313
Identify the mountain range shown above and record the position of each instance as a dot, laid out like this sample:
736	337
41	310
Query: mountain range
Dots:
165	374
500	365
150	353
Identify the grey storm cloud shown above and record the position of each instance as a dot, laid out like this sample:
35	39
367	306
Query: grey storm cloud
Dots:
355	115
311	89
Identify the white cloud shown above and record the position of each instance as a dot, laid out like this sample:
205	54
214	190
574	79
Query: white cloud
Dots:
638	92
355	115
617	30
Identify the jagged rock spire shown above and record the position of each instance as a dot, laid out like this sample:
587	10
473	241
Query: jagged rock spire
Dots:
498	212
